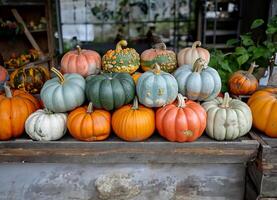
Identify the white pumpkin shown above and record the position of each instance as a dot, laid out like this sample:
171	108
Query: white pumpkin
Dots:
188	56
45	126
227	118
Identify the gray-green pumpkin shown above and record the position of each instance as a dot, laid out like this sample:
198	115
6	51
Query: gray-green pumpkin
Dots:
198	82
64	92
110	90
156	88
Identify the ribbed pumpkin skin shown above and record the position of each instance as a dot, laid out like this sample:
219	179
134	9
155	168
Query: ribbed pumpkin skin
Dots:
43	125
156	88
188	56
181	124
263	105
3	74
204	85
89	126
62	97
165	58
227	122
13	113
81	61
110	90
133	124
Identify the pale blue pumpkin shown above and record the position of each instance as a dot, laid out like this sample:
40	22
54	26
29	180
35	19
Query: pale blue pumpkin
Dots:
198	82
63	93
156	88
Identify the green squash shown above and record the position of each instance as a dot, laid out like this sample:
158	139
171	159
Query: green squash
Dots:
64	92
121	60
110	90
198	82
156	88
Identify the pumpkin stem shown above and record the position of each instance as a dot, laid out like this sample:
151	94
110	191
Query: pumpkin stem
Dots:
252	67
59	74
135	104
181	101
120	44
196	44
226	99
157	68
8	91
78	49
90	108
47	111
199	65
160	46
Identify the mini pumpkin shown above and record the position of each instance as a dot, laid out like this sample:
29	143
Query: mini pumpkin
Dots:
159	54
198	82
15	107
188	56
184	122
81	61
87	124
227	118
64	92
44	125
263	105
110	90
30	79
243	82
133	122
121	60
156	88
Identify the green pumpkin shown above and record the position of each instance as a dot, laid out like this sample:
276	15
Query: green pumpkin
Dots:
121	60
110	90
198	82
64	92
156	88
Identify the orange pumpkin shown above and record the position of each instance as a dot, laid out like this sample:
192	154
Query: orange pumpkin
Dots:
15	107
81	61
263	105
184	122
87	124
3	74
136	76
243	82
133	122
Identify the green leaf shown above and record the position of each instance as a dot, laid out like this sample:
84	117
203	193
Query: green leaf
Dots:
231	42
257	23
242	59
271	30
246	40
259	52
240	51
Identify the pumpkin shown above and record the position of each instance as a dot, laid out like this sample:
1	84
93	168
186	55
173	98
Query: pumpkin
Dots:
121	60
64	92
44	125
156	88
227	118
165	58
184	122
263	105
198	82
243	82
30	79
81	61
3	74
15	107
133	122
188	56
110	90
136	76
87	124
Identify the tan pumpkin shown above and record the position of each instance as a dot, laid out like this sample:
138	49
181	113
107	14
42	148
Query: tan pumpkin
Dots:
190	55
81	61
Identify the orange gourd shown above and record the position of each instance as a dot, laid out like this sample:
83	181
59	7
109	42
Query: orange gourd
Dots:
15	107
136	76
181	122
133	122
243	82
263	105
87	124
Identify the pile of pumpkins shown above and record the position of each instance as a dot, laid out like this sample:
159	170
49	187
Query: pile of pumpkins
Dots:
91	96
